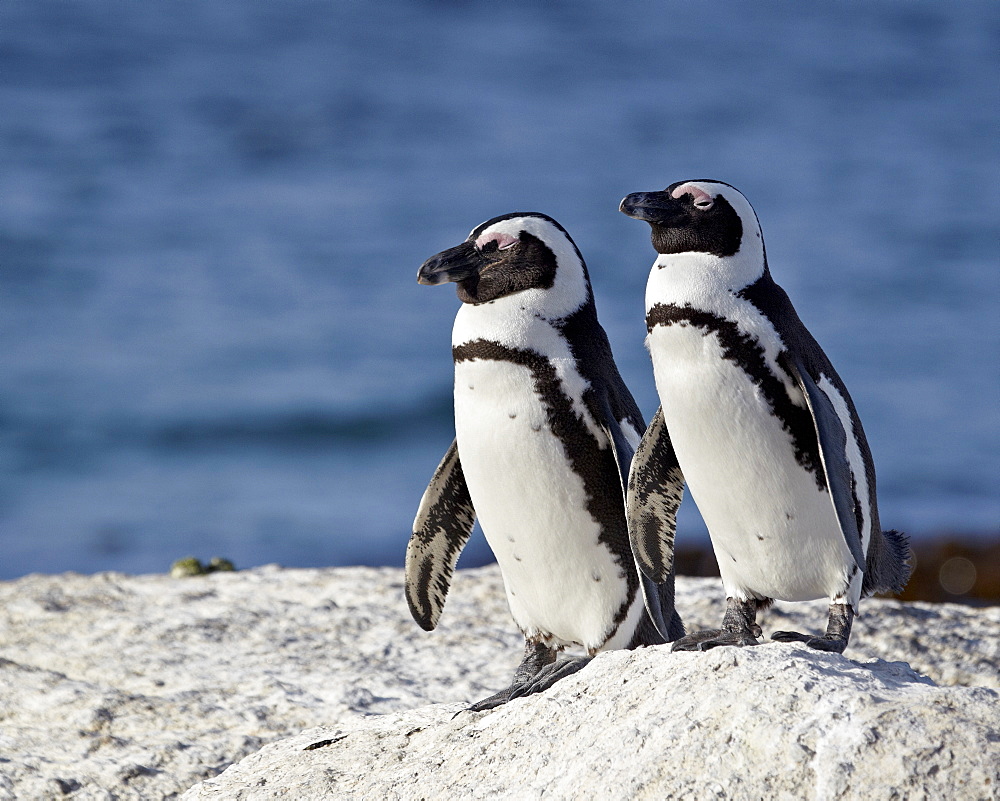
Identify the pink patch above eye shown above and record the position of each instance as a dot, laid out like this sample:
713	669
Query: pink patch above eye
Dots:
691	189
502	240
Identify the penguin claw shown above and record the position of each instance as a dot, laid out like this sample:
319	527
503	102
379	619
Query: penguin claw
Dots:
550	674
835	645
540	682
713	638
495	700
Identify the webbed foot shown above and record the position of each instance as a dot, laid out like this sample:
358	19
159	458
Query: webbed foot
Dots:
538	683
550	674
712	638
838	631
834	645
739	628
538	658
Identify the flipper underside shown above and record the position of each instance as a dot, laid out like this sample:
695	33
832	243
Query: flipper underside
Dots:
442	527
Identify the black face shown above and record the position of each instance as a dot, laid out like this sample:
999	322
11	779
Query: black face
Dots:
690	222
494	268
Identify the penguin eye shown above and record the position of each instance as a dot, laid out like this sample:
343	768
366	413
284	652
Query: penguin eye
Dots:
704	203
495	241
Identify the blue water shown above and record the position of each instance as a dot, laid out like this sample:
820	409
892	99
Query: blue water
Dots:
212	213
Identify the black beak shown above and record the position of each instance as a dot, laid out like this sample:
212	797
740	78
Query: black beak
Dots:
455	264
656	208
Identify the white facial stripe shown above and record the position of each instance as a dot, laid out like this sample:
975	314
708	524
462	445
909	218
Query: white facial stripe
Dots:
569	292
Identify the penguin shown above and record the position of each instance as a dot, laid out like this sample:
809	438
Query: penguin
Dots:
760	425
545	431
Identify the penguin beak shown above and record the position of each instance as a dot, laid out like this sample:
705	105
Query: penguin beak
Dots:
656	208
455	264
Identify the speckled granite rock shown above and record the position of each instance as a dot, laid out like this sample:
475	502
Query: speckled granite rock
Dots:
115	686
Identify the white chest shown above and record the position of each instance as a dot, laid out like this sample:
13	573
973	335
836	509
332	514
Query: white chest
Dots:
561	582
774	532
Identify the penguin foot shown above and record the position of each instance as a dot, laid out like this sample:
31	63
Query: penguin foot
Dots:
838	631
538	683
538	671
835	645
739	627
712	638
550	674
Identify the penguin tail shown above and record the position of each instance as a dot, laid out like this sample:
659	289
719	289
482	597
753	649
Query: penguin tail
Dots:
888	564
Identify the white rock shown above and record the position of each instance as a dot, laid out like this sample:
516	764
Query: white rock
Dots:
776	722
141	686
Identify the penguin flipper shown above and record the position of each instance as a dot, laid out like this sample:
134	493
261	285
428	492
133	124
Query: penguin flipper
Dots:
655	489
832	438
623	457
442	527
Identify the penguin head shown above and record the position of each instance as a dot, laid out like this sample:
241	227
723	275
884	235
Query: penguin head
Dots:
703	217
523	252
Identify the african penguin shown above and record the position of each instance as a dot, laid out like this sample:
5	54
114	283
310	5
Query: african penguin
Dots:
761	427
545	431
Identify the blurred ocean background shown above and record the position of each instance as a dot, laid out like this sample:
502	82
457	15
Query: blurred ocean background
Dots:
212	214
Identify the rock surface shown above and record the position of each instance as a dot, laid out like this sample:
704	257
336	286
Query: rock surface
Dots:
115	686
745	724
